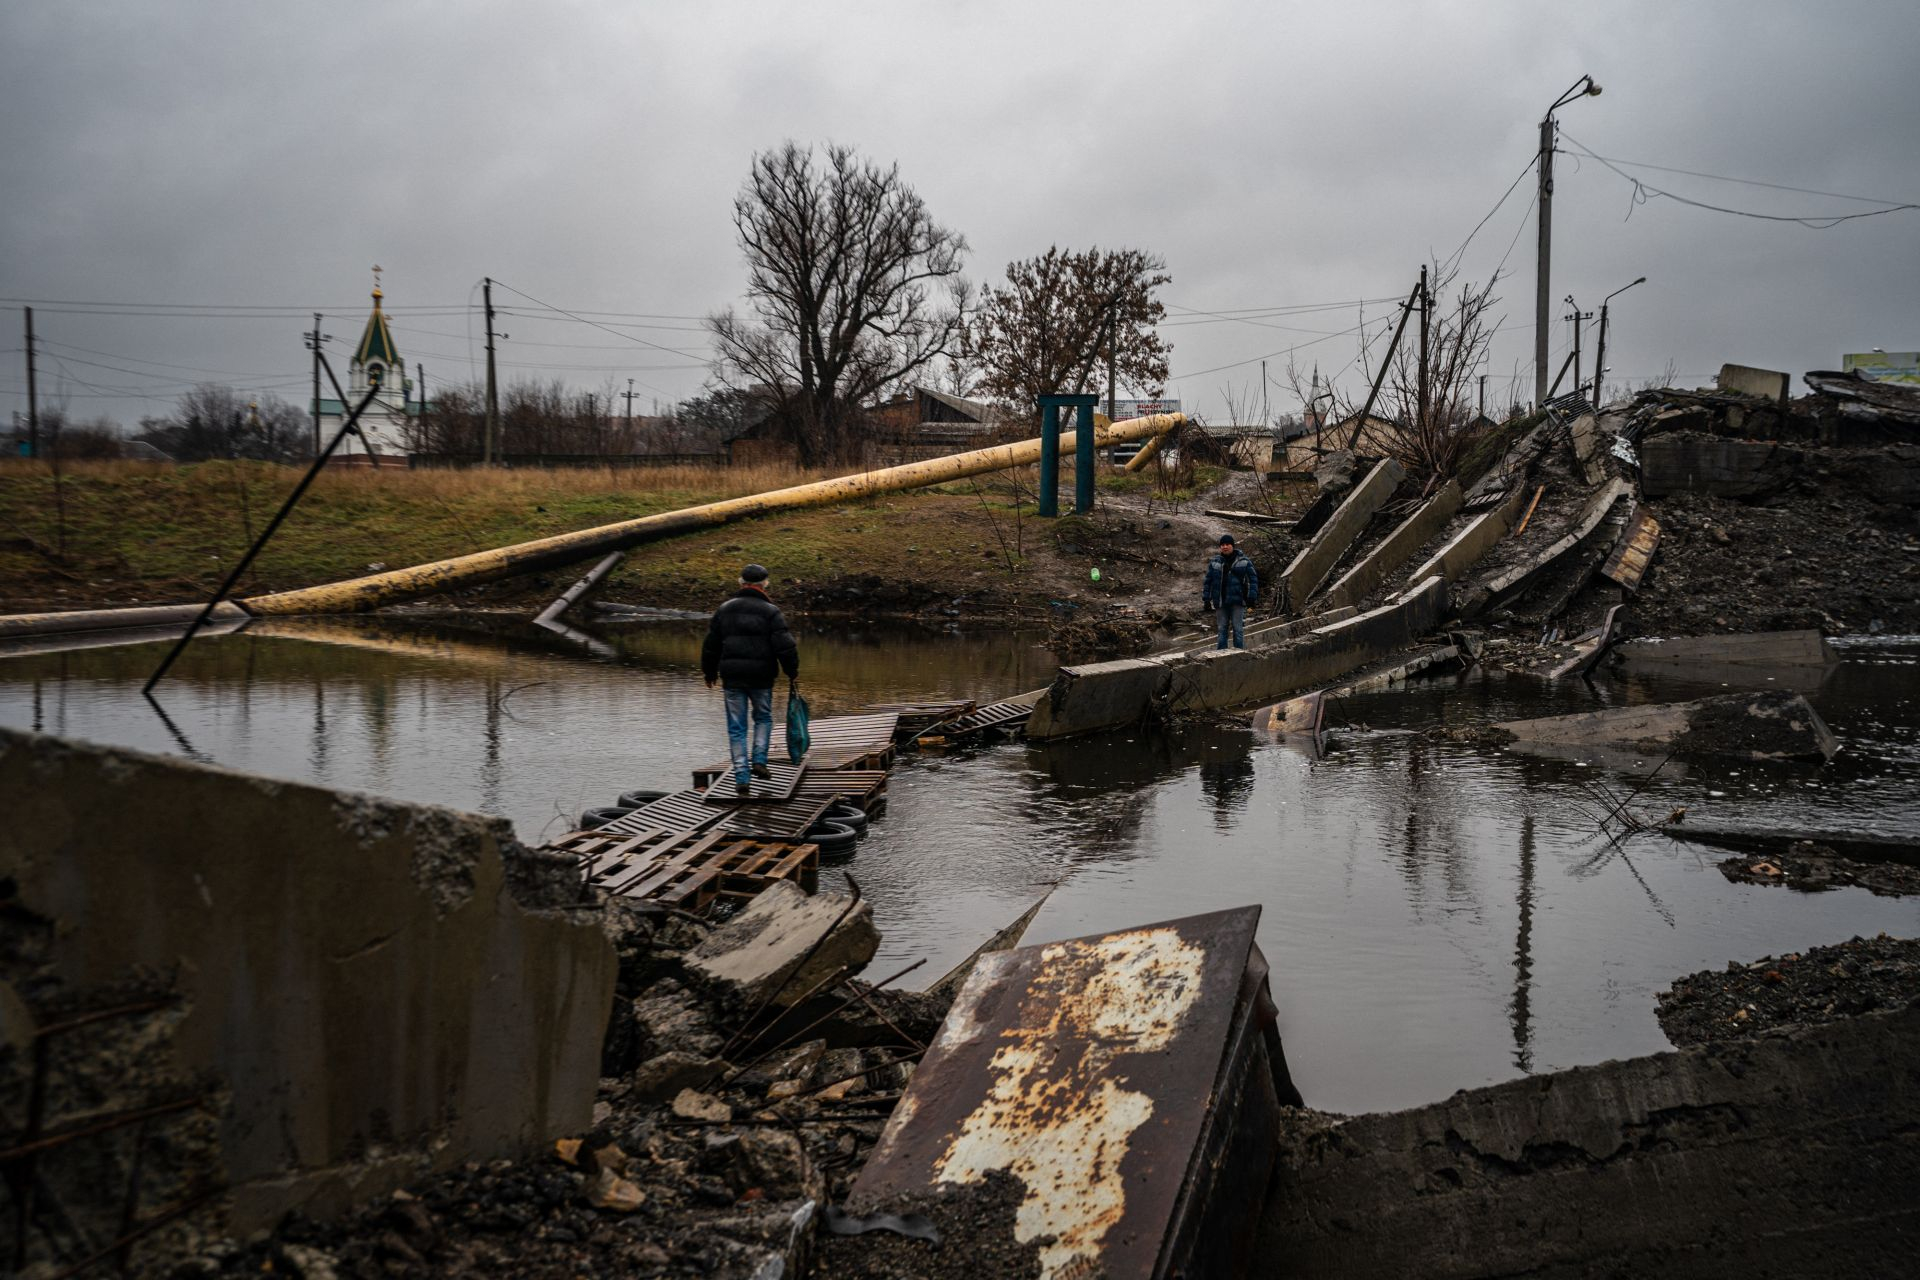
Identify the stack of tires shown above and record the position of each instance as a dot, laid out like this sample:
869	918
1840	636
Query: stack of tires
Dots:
594	819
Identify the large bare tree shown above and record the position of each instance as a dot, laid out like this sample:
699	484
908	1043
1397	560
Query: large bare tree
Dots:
1046	331
844	274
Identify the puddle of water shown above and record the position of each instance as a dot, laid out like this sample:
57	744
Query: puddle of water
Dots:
1438	916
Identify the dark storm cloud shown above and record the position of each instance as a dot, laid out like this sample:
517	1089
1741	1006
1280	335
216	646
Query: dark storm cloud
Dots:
588	153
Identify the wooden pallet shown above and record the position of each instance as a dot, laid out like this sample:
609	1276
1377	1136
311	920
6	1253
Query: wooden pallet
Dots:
918	717
721	789
997	717
689	870
681	811
837	742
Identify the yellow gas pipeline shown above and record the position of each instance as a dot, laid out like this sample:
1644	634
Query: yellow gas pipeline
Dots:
396	585
1145	455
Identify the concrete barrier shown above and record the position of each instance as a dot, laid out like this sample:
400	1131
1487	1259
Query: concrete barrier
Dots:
1709	464
1764	384
1395	549
381	989
1327	653
1098	696
1761	648
1300	579
1466	548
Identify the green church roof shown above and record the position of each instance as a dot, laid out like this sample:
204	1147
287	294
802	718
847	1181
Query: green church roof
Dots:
377	342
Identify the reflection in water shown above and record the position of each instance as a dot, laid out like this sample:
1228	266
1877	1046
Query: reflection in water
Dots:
1420	937
1227	784
1523	952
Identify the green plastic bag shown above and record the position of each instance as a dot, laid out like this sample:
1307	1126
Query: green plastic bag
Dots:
798	738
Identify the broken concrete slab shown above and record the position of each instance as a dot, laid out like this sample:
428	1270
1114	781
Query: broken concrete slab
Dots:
949	984
1861	846
782	944
1395	549
1762	384
1786	1154
381	989
1747	726
1520	577
1096	696
1465	548
1684	463
1758	648
1300	579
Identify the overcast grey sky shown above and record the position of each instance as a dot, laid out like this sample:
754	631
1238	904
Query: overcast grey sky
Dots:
1276	155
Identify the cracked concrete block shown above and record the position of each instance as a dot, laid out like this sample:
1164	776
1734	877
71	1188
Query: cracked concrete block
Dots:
1301	578
782	944
1774	725
383	989
1784	1155
1098	695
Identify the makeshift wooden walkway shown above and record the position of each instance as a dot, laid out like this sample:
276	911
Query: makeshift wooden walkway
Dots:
699	846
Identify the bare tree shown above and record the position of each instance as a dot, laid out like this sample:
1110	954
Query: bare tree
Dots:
216	421
1428	433
1045	332
842	263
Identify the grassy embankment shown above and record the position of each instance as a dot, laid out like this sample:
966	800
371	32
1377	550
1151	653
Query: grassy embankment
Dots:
124	533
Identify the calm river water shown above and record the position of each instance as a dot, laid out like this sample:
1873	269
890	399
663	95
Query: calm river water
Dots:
1438	916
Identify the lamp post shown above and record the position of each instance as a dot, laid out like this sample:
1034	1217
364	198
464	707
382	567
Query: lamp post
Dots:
1600	346
1583	87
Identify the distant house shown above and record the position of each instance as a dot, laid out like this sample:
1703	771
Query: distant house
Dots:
1246	447
1376	438
921	423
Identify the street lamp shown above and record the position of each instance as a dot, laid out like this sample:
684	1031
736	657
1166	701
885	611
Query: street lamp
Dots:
1584	87
1600	347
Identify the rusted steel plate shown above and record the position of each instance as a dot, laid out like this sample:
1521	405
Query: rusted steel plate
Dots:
786	777
1087	1069
1628	563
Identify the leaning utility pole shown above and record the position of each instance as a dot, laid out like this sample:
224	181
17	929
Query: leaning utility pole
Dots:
33	395
492	439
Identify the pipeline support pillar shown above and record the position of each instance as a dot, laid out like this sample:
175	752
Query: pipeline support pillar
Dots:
1083	452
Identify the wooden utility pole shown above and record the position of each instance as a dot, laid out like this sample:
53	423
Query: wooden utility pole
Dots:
1577	316
33	395
630	394
314	340
420	368
1426	312
1110	368
490	445
1483	395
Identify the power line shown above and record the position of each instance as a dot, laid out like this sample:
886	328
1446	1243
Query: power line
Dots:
616	333
1643	192
1454	257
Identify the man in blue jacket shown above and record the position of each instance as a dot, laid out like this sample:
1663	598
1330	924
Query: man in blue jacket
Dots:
1232	585
747	645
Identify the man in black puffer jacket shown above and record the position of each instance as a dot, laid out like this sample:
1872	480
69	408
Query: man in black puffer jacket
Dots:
747	645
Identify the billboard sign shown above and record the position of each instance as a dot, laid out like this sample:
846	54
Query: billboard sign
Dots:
1125	409
1885	366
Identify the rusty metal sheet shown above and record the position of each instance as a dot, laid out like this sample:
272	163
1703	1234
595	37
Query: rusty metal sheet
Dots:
1087	1070
1628	563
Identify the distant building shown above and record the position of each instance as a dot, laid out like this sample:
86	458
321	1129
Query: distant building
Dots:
376	366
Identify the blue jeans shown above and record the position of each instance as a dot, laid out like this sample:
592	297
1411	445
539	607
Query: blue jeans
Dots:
1233	618
738	703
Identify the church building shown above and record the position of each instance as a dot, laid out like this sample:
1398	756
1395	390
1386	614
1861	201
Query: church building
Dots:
385	437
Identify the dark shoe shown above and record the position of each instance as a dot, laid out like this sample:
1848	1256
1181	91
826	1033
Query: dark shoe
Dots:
741	786
761	771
